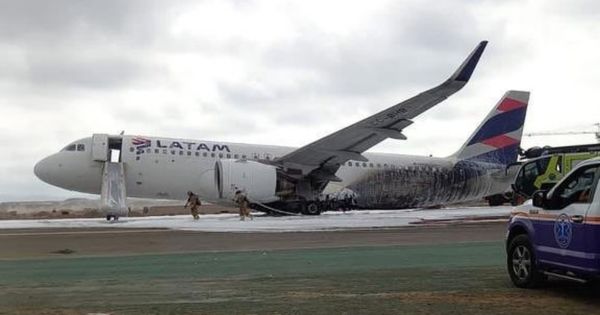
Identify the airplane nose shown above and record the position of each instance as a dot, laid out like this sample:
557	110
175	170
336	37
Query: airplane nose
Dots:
42	170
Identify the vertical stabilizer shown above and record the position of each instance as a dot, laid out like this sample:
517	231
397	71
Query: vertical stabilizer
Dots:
498	138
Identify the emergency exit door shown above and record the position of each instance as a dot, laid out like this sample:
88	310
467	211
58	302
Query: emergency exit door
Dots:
100	147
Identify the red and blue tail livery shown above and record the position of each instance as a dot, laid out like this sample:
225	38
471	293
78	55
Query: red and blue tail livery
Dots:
498	138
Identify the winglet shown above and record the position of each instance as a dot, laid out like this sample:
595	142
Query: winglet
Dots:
464	72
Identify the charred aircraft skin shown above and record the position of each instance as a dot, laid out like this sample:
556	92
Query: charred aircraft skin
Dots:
421	186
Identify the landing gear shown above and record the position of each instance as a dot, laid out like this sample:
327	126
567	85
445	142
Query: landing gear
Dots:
113	217
497	200
311	208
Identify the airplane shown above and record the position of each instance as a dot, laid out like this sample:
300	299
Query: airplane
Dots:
292	180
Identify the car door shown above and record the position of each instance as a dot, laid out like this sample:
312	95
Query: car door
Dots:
560	230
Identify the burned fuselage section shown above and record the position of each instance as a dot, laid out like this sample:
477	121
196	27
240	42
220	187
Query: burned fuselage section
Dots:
426	185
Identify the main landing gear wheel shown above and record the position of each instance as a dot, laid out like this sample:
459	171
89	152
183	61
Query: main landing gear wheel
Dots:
521	264
312	208
113	217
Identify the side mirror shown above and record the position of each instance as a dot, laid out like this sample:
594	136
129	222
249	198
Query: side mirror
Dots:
539	198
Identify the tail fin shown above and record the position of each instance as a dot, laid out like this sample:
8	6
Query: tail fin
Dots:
498	138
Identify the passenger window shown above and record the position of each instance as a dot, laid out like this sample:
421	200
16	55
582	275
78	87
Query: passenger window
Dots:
364	164
81	147
371	165
236	156
243	156
349	163
228	156
212	155
579	188
204	154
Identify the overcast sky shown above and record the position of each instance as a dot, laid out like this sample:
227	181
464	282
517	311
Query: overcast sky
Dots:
281	72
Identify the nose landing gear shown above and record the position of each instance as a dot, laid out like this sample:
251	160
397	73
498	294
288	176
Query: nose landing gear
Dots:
113	217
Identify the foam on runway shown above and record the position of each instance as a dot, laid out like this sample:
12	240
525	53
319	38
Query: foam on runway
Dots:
262	223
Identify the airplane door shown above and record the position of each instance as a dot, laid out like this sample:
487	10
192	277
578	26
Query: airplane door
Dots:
100	147
561	236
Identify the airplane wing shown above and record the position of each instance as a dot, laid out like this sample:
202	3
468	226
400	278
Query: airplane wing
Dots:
322	158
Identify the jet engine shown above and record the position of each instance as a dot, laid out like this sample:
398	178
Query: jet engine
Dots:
257	180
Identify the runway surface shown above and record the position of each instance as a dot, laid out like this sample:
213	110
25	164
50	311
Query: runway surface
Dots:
420	270
48	243
444	268
262	223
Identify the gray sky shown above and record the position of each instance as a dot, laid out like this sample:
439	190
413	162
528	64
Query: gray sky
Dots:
280	72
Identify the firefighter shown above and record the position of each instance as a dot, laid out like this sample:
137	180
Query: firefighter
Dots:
194	202
242	202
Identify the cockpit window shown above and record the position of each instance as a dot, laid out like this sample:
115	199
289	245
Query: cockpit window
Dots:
70	147
75	147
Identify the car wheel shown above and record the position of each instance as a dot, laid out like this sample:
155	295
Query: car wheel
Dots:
521	263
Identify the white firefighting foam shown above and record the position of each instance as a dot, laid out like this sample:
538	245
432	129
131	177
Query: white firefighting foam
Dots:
262	223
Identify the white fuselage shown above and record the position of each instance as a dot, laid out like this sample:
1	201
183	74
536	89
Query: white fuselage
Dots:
163	168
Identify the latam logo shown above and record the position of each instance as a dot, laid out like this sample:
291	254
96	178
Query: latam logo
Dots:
494	132
500	141
141	143
509	104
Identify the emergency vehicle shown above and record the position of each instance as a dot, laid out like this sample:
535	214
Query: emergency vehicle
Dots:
546	166
557	232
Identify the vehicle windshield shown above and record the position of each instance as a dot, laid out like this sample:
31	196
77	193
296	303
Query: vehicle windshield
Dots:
525	182
577	189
